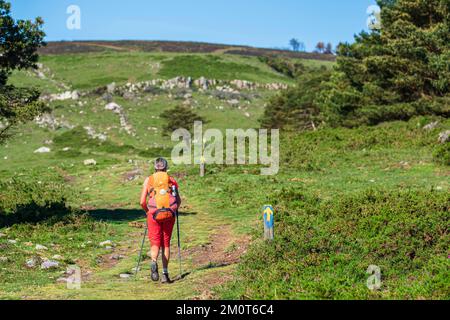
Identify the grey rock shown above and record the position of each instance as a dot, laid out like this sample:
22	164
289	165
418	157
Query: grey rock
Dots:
49	264
444	137
431	126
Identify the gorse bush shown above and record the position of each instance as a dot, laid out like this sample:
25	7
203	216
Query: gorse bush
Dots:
322	249
32	201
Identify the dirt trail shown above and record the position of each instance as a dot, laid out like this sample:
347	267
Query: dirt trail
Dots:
210	252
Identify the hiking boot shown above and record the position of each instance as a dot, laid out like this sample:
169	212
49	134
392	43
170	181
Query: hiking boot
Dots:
154	268
165	278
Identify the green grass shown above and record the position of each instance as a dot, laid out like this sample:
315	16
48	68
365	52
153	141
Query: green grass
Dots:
214	67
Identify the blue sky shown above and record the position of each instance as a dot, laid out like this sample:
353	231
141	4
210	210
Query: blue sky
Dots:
260	23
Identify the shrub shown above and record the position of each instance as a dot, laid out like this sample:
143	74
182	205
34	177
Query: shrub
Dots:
442	154
322	249
289	68
31	201
179	117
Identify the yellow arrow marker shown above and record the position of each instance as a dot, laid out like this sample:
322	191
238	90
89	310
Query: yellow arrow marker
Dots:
268	213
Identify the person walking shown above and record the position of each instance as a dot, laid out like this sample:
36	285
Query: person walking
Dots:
160	200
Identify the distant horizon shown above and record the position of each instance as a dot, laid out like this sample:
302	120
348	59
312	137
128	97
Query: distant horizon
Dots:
183	41
269	24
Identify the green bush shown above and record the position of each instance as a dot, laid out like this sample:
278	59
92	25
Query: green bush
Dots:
290	68
32	201
322	249
442	154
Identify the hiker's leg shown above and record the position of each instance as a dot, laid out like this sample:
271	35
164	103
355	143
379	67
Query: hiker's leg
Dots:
155	235
155	253
166	257
167	236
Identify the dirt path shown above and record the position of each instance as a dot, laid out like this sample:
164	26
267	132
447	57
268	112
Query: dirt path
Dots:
211	250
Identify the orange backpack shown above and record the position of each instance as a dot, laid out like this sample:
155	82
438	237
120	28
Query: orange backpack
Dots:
162	204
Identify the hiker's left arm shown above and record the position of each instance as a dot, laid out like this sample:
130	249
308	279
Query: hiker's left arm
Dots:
144	194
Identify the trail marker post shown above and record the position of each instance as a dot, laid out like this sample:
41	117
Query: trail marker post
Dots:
268	214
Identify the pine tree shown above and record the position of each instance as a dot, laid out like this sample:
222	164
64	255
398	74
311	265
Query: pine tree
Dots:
396	72
296	108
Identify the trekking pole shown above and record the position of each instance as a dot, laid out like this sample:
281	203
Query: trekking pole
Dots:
179	243
140	253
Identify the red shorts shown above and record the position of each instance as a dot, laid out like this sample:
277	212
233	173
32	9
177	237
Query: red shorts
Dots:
160	233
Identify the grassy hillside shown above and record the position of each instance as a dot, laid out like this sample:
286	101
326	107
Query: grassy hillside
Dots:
345	198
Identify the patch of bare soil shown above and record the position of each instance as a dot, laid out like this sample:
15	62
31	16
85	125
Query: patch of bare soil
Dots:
224	249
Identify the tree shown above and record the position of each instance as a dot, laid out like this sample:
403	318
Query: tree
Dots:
296	108
320	47
396	72
295	44
328	48
178	118
19	41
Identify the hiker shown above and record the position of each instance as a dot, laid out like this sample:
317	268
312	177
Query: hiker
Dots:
160	200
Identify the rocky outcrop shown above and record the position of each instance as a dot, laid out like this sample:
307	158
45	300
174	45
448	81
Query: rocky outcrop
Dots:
117	109
48	120
94	135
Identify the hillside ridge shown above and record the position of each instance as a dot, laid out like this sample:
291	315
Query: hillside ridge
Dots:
68	47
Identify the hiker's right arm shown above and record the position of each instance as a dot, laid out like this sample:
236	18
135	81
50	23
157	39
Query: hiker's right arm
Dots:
144	194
